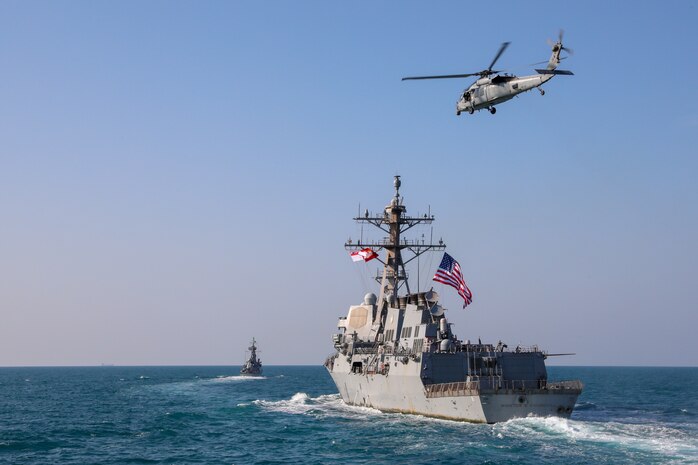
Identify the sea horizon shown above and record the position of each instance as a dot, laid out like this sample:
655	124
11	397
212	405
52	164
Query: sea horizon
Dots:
107	365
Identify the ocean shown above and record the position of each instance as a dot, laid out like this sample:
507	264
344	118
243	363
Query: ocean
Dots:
293	414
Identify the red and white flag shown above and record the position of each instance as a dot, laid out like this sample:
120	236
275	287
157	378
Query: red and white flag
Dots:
366	255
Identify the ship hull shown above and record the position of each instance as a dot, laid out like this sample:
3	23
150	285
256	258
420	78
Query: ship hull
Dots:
407	394
251	373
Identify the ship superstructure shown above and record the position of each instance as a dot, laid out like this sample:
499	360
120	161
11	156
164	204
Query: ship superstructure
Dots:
253	365
396	352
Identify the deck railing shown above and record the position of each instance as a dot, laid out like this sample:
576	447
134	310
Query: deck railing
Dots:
464	388
473	388
574	385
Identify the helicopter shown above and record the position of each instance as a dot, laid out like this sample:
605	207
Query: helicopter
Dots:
493	88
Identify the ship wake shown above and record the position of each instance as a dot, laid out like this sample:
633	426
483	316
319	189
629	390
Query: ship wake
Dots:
652	438
236	378
330	405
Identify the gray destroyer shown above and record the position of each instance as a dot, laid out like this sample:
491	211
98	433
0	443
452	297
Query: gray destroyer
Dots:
397	353
253	365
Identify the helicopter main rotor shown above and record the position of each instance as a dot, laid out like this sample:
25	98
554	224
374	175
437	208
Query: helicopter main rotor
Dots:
483	73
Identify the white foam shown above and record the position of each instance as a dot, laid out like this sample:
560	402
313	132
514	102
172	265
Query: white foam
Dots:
644	437
295	405
299	397
236	378
322	406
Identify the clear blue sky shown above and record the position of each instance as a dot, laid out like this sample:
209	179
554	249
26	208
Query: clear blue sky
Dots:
177	177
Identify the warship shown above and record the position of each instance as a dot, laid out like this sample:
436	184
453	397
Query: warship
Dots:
253	365
396	352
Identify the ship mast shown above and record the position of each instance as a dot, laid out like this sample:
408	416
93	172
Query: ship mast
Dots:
395	223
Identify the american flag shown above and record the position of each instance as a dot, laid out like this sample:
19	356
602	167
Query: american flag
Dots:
449	273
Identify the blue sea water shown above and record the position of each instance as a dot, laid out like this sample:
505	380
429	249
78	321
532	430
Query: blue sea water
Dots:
293	414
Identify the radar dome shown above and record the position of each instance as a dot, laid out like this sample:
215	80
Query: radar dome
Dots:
370	299
431	296
437	310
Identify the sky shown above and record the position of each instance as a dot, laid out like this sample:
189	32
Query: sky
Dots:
179	177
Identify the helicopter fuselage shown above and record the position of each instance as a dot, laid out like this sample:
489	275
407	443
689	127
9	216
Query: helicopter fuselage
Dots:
487	92
493	88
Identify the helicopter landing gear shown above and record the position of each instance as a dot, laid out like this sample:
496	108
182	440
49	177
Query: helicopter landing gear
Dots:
492	110
542	92
471	111
458	113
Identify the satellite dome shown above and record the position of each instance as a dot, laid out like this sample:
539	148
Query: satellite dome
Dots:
370	299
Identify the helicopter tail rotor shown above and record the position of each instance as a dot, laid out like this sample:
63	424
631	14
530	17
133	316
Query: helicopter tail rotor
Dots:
563	48
557	48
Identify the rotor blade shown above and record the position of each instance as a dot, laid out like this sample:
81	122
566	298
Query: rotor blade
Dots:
560	34
568	50
447	76
499	53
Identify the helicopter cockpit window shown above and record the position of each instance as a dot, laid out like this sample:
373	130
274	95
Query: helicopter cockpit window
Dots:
466	96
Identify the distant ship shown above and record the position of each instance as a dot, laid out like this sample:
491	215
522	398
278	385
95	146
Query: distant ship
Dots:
253	365
397	352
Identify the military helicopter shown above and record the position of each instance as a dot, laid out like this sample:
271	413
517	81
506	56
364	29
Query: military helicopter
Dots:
493	88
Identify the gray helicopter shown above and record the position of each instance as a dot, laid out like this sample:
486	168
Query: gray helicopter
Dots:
493	88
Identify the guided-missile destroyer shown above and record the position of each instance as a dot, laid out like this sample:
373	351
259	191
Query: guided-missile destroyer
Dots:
253	365
396	351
